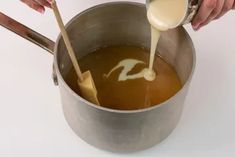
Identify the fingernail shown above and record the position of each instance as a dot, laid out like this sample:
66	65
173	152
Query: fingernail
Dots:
50	1
195	28
41	10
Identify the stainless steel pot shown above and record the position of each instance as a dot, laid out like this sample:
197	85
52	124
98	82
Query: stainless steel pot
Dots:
117	23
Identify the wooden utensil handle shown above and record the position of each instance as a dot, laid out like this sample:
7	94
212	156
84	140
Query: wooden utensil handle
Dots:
67	41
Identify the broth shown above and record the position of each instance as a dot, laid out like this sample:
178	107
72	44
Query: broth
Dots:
130	94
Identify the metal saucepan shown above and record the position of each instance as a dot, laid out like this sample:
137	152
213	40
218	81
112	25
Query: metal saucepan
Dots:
116	23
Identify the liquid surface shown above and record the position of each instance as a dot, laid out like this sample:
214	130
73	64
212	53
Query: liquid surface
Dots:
132	93
163	15
128	65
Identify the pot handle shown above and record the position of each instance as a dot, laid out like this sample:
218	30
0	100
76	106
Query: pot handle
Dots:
30	35
26	33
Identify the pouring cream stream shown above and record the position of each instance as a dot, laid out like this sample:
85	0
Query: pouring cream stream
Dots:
162	15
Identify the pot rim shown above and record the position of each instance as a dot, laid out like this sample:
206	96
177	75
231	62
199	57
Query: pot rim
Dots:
109	109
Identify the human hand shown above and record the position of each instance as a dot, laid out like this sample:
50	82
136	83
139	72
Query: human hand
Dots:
38	5
211	10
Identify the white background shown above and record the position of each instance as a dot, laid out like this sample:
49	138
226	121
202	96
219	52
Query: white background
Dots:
31	119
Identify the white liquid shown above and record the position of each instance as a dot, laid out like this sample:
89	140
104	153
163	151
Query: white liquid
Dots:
166	14
150	75
128	65
163	15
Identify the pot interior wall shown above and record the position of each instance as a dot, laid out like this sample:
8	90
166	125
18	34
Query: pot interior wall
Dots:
124	24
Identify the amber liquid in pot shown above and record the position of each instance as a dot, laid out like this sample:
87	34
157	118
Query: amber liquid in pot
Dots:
130	94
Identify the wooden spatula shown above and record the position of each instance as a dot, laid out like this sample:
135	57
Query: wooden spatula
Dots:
85	80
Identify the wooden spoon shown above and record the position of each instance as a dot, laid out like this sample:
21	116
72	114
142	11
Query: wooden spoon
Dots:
85	80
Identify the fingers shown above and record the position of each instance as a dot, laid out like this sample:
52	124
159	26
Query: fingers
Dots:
34	5
228	5
216	12
38	5
204	12
211	10
44	3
